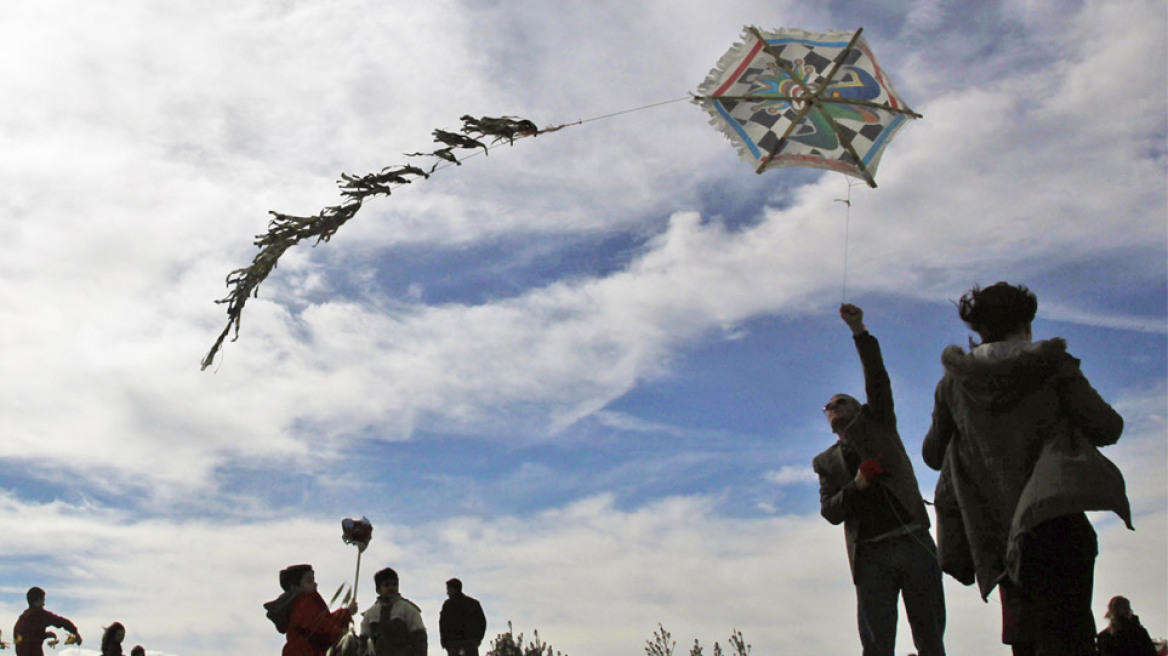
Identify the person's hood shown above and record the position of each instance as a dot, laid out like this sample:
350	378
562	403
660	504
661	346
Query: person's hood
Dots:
279	608
999	374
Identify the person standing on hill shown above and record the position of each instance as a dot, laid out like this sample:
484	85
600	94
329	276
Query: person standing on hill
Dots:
111	639
393	622
301	613
461	623
866	482
1124	635
29	633
1015	431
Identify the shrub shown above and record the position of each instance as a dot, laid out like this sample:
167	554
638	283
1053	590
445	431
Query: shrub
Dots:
507	644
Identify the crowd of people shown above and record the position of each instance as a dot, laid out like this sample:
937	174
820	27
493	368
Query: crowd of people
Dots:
391	626
1015	435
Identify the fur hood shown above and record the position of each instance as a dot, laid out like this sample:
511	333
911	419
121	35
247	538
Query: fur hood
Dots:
999	375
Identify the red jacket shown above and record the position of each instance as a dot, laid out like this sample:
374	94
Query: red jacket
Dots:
311	628
30	630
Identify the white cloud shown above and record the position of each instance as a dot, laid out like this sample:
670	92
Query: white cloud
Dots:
792	475
150	140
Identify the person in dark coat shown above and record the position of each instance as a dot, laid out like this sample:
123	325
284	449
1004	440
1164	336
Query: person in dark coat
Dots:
1014	433
29	633
1124	635
461	623
866	482
301	613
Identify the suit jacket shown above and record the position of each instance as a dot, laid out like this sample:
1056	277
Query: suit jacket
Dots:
872	432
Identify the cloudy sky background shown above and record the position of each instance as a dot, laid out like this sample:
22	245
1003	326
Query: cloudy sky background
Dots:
584	373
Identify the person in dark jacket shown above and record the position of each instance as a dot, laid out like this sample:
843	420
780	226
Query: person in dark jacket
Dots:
1124	635
301	613
866	482
461	623
1014	433
29	633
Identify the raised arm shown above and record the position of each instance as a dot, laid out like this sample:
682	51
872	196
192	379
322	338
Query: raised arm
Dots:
877	385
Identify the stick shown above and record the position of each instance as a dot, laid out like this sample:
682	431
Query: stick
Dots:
357	575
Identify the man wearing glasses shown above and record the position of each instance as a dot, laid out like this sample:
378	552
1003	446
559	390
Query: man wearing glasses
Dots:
866	482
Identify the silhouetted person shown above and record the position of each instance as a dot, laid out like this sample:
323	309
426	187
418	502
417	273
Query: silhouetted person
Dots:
1124	635
301	614
138	650
866	481
393	623
461	624
29	633
111	640
1015	426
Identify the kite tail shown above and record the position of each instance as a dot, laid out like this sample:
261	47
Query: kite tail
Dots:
285	230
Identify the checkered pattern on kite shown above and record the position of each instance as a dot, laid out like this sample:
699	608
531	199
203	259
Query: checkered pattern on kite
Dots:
759	94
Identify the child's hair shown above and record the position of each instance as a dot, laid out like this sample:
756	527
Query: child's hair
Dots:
138	650
384	575
997	311
110	637
292	575
34	594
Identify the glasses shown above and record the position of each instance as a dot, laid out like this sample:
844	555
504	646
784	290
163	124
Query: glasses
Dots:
835	405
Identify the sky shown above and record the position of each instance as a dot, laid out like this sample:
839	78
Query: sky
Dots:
584	373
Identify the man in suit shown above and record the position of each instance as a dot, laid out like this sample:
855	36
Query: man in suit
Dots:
866	482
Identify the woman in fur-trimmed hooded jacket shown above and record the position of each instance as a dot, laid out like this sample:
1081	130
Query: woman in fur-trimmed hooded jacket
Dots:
1015	430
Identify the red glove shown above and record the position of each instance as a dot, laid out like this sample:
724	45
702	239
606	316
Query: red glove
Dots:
871	468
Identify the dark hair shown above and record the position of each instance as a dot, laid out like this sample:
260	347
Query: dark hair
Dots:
292	575
384	575
454	583
997	311
108	639
138	650
34	594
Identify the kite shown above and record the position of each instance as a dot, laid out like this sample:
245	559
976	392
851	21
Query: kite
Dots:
795	98
784	98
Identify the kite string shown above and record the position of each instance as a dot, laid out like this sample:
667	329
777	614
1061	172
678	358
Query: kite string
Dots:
561	126
847	229
624	111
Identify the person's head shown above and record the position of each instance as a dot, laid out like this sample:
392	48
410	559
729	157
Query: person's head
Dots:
298	578
1118	609
999	311
114	635
138	650
453	587
841	409
35	597
385	581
